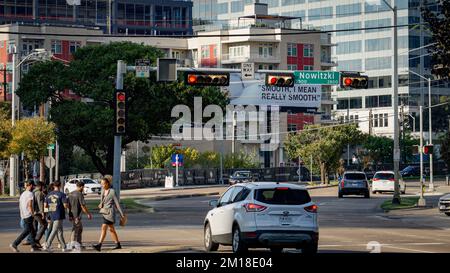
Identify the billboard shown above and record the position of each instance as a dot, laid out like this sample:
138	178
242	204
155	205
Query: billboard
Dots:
255	92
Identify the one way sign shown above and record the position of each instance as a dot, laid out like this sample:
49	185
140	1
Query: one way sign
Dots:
248	71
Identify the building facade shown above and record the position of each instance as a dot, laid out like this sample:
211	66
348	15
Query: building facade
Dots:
369	51
140	17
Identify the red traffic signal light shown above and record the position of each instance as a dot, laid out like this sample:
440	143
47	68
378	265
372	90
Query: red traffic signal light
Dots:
280	80
354	81
207	79
428	149
120	113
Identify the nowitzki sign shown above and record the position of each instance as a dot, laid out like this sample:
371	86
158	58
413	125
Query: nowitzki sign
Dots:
257	93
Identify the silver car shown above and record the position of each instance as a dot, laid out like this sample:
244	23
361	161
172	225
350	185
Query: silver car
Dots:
354	183
444	204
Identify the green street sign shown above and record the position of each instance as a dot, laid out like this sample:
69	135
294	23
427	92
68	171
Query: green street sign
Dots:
316	77
51	147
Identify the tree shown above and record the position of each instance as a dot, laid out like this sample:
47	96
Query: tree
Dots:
5	132
31	136
91	75
324	144
445	148
379	149
439	23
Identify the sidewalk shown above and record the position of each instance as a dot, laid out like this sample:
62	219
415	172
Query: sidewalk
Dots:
161	193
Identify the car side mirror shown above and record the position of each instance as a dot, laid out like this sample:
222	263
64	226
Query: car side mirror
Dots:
213	203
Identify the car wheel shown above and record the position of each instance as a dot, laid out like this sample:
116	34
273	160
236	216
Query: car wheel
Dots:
447	213
340	195
374	192
367	195
311	248
238	245
209	243
276	250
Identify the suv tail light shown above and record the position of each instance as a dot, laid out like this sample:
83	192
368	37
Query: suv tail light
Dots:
251	207
312	208
391	179
375	179
342	183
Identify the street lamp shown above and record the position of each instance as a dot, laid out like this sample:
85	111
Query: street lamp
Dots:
396	198
13	170
431	186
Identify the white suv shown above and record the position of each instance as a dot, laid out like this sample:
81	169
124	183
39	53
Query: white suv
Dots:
263	214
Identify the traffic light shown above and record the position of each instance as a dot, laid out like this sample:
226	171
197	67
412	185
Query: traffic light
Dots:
120	112
428	149
280	80
207	79
354	81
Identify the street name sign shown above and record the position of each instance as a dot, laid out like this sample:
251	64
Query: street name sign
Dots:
142	68
248	71
317	77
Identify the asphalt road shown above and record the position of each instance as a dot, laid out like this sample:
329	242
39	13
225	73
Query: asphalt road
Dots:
351	224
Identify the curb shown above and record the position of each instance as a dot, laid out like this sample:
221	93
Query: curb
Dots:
320	187
155	249
160	198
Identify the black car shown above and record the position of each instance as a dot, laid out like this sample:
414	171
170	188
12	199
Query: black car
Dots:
410	171
241	177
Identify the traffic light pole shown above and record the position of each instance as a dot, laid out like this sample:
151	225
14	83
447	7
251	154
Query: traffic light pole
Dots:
121	70
431	134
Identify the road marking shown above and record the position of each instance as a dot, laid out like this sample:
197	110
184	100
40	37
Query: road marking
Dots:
408	249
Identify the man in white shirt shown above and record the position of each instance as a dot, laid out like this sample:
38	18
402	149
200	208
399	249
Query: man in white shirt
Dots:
26	213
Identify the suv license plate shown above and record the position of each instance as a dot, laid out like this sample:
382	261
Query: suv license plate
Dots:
285	220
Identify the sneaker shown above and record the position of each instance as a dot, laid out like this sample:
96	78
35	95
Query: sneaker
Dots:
26	243
59	246
38	245
14	248
33	249
45	247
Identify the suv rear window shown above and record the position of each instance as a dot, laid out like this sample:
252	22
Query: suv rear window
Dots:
282	197
384	176
355	176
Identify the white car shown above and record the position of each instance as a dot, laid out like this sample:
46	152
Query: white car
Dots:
263	215
383	181
90	186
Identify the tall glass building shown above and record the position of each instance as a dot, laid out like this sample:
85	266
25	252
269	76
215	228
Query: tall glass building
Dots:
368	51
122	16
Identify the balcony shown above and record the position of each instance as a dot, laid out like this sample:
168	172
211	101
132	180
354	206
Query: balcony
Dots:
328	61
252	58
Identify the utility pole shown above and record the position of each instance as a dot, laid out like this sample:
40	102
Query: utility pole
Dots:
421	202
348	121
431	187
299	170
5	84
370	122
13	159
56	160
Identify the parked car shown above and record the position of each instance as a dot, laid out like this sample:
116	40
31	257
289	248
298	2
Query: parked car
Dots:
354	183
90	186
262	215
383	181
444	204
241	177
410	171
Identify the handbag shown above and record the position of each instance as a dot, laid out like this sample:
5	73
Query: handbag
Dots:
123	220
105	211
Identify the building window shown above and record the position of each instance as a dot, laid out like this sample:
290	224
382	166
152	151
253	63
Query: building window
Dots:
348	10
320	13
73	46
385	101
348	47
375	120
378	44
378	63
350	65
378	23
355	103
292	67
386	123
308	67
237	6
308	50
355	25
265	50
292	50
205	52
56	47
